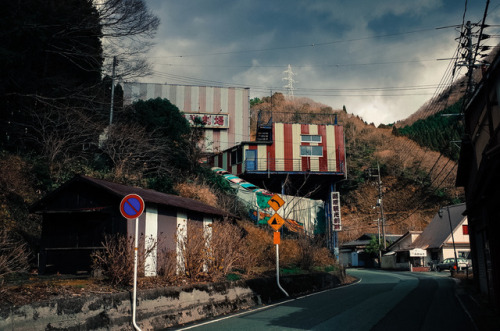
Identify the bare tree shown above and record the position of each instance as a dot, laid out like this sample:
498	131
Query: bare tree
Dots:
128	28
60	133
132	149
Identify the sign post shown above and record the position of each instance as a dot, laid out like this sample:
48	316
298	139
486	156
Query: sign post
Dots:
132	206
276	222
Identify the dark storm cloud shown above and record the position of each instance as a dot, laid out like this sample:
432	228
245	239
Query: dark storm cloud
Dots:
332	46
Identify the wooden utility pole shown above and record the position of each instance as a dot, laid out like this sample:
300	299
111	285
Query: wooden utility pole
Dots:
381	205
112	91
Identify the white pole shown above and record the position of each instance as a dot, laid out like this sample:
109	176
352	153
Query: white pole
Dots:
134	296
278	269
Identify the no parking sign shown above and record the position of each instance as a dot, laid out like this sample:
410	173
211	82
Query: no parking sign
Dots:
132	206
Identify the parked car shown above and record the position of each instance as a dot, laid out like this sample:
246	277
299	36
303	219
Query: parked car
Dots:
448	264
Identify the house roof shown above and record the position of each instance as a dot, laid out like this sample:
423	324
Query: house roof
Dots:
365	239
149	196
438	230
407	234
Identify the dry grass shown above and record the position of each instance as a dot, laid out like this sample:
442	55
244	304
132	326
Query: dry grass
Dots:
209	256
116	260
13	255
198	192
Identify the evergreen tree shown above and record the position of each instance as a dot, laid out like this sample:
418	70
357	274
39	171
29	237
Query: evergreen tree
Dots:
436	132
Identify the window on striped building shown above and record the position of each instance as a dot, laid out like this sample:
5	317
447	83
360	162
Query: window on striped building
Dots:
311	150
310	138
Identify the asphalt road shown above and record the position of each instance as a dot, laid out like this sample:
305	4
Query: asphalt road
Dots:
381	300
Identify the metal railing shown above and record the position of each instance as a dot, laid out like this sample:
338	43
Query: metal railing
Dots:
300	164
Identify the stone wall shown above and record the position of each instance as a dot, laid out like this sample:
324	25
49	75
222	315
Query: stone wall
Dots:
158	308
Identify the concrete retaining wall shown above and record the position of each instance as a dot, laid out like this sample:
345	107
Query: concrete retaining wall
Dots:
158	308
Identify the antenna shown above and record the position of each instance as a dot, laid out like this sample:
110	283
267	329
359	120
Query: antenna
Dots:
289	78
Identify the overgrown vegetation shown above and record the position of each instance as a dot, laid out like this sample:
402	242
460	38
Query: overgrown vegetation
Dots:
226	251
13	255
439	132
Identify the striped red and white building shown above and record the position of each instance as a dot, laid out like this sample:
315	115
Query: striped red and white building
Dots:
224	110
294	148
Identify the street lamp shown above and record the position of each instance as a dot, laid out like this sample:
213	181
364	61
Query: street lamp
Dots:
440	213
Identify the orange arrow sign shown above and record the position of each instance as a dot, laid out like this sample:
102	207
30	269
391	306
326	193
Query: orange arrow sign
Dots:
276	202
276	222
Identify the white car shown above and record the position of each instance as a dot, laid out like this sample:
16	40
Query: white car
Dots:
448	264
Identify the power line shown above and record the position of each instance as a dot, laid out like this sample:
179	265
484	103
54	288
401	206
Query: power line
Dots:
335	65
310	45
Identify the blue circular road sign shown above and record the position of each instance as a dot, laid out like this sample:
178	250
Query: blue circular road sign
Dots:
132	206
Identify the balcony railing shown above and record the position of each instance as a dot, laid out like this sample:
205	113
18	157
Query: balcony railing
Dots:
302	164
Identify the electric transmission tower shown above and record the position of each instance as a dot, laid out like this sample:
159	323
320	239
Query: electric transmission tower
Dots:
289	78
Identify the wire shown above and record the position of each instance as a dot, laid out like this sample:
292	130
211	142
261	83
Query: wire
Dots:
295	66
313	45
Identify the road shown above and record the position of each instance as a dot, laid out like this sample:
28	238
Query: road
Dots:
381	300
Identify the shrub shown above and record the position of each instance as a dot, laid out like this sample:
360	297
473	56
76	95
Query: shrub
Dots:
116	260
13	254
214	255
198	192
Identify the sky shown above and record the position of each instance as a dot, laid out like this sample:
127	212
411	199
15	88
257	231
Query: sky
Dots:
380	59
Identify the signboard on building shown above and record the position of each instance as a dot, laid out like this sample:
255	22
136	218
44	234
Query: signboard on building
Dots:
210	121
336	220
418	252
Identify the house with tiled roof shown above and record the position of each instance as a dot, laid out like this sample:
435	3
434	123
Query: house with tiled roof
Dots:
446	234
398	255
78	216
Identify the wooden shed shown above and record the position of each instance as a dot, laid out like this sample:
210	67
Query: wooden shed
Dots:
79	214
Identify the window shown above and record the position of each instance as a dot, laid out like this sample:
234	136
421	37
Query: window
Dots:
310	138
311	150
236	156
463	254
465	229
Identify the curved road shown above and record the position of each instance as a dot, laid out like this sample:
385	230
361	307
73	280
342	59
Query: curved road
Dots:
381	300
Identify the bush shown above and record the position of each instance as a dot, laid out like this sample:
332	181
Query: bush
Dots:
214	255
13	255
116	260
227	251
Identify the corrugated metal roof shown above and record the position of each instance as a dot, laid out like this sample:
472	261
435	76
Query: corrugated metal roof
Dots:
149	196
438	230
367	237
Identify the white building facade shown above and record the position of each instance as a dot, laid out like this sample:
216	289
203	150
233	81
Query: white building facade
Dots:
225	111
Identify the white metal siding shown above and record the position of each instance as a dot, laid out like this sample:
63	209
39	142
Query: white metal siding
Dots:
279	147
151	240
330	148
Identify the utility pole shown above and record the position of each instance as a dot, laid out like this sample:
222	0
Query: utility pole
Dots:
112	91
452	237
470	57
381	205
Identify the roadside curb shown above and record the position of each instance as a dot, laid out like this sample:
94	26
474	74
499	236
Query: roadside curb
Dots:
481	314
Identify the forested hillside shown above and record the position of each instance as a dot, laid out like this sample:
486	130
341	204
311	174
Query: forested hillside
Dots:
416	180
440	132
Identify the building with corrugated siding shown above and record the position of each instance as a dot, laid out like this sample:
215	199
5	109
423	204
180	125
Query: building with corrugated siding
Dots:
291	151
80	214
225	111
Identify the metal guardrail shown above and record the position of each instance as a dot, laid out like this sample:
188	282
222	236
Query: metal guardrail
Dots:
297	164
